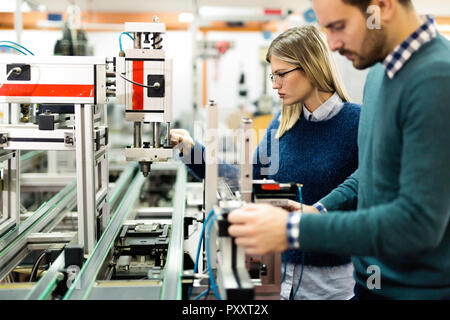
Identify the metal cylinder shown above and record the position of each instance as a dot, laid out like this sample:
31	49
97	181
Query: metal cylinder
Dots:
110	92
168	134
138	134
137	40
156	134
145	167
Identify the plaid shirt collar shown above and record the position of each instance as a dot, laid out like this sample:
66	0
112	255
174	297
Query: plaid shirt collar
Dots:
395	61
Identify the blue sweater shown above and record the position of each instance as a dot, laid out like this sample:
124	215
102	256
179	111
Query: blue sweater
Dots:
319	155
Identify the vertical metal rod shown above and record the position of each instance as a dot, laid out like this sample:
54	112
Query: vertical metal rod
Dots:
105	181
13	112
52	161
138	134
10	200
156	134
5	214
86	202
211	170
137	40
211	149
18	22
246	168
168	134
14	187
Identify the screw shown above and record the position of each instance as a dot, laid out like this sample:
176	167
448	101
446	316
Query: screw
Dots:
69	140
59	276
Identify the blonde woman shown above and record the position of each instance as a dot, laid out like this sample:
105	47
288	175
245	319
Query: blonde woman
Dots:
316	137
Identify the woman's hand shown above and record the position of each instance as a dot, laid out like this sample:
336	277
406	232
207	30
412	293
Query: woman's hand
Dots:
295	206
182	140
292	206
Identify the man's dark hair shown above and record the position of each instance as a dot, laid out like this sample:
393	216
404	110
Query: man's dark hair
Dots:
364	4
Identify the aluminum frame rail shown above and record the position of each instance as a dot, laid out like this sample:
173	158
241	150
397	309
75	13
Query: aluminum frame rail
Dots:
10	191
171	289
16	240
45	286
83	284
125	179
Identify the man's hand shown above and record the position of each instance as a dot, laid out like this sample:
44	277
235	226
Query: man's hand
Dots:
182	140
260	228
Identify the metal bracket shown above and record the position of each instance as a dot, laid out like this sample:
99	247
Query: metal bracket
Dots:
3	139
156	83
97	139
22	72
69	139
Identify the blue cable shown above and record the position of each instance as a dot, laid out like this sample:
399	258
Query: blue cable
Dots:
201	294
5	45
301	276
18	46
120	39
199	246
201	240
303	254
301	210
299	186
211	276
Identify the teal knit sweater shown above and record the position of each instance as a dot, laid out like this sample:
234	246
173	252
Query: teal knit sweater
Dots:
402	185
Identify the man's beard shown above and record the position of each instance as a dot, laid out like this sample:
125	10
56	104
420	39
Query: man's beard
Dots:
372	51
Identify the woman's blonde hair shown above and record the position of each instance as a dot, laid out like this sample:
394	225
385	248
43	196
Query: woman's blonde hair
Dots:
305	47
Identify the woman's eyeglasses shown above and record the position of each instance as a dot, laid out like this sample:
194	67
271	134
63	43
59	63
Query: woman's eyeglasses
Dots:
278	77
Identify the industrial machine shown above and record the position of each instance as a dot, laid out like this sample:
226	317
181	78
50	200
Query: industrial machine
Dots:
144	85
66	99
122	231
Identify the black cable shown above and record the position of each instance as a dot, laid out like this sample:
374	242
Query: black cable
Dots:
36	266
140	84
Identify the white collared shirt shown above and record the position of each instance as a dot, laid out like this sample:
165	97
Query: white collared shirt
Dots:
326	111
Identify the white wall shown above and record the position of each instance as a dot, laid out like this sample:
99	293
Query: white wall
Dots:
224	74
